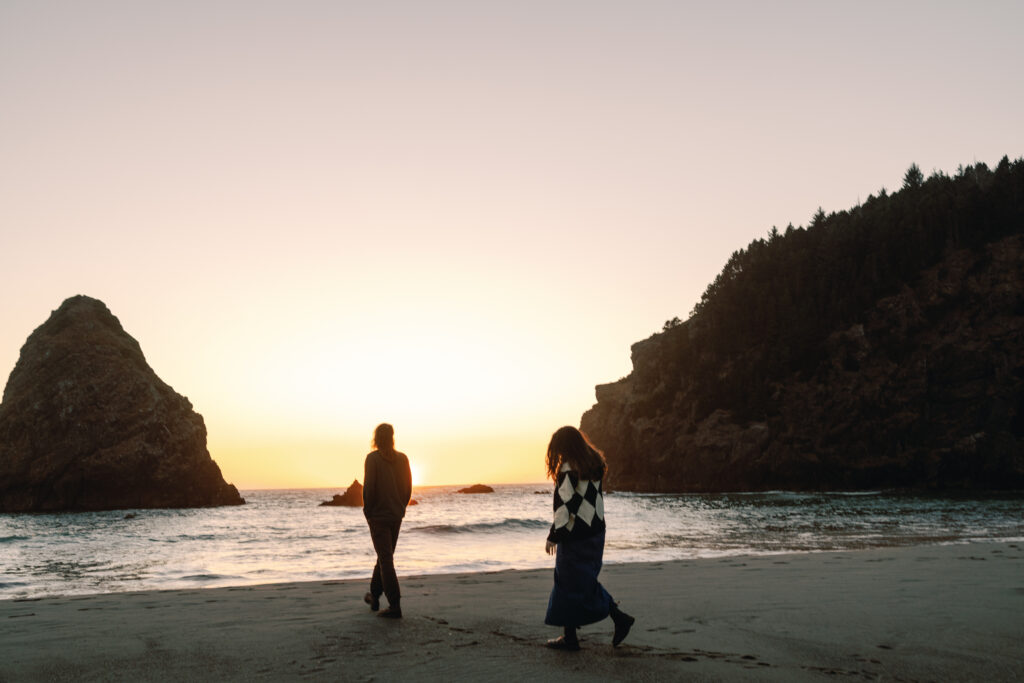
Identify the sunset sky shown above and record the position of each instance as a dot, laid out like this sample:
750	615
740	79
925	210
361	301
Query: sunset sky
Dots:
452	216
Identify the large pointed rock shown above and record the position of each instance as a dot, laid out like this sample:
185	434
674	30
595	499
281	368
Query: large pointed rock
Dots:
85	424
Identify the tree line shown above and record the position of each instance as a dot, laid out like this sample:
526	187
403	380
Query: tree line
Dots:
768	312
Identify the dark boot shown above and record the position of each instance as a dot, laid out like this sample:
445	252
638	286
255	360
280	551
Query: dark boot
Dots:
623	622
372	600
568	641
393	611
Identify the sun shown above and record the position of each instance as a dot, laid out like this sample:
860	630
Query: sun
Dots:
417	474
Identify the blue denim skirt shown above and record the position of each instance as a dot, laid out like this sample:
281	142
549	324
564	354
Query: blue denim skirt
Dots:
578	598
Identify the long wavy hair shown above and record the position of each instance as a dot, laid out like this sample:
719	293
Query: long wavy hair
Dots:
384	438
570	445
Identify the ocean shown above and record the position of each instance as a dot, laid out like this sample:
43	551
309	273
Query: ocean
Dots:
284	535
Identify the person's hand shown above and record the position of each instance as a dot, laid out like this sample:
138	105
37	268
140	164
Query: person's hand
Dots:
549	547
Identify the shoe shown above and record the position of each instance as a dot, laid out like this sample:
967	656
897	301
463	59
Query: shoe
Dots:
372	600
391	613
561	643
623	622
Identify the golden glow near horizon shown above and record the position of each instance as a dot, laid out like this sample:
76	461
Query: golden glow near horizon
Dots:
454	217
417	473
298	463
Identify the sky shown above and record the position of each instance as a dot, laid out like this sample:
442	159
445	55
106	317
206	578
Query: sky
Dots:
455	217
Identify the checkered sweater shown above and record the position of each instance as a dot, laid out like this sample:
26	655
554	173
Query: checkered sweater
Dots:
579	507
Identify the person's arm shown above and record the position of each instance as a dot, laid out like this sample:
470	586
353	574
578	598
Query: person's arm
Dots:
550	545
369	481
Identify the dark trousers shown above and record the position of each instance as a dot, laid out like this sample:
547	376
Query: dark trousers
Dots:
578	598
384	534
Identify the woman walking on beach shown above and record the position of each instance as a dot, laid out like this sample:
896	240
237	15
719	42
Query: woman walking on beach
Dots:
387	487
577	539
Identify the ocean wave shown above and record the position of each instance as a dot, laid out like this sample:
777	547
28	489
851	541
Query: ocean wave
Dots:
207	577
275	541
854	493
11	539
193	537
508	524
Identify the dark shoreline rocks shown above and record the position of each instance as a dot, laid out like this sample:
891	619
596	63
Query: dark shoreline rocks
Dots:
85	424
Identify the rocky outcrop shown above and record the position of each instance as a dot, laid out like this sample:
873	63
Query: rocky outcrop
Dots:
477	488
353	496
926	391
85	424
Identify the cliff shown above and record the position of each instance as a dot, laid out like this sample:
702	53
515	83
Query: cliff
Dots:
85	424
923	388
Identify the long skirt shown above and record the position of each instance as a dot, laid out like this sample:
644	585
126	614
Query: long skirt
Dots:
578	598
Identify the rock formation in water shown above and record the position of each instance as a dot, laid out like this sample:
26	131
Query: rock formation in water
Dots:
477	488
353	496
923	388
85	424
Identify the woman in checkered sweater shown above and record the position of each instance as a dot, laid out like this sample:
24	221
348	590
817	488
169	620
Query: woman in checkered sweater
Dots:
577	540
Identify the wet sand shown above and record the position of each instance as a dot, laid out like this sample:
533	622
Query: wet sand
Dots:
927	613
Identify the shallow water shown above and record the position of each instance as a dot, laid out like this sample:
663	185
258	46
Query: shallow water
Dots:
284	535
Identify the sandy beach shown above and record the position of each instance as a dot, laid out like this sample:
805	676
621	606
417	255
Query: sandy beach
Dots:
930	613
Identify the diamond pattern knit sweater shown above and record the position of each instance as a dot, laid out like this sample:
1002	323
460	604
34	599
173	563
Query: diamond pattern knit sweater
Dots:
578	506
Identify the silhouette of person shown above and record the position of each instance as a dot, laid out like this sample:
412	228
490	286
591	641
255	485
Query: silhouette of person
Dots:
577	540
387	487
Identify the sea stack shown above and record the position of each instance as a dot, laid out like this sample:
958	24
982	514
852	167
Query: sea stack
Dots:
85	424
477	488
353	496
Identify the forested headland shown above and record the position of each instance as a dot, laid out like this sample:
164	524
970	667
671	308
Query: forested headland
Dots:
877	347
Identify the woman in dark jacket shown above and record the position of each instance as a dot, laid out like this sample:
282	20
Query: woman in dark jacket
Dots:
387	486
577	539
